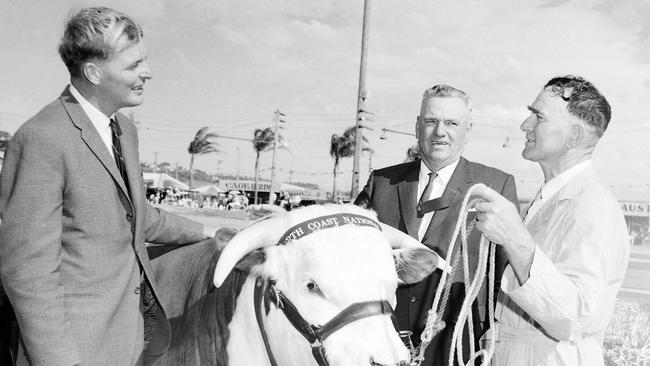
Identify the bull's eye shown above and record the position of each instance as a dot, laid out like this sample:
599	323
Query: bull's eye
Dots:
313	288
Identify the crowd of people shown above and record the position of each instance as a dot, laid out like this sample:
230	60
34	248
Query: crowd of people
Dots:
75	265
233	200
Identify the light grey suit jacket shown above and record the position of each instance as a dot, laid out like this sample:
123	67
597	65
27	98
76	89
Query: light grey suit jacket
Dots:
72	242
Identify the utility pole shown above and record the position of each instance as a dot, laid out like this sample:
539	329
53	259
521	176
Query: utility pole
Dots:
155	161
237	177
361	101
277	118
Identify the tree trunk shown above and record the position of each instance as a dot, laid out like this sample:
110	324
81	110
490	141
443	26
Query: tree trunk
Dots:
257	162
191	170
336	165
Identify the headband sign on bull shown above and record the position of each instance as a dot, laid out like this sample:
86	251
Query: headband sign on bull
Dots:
325	222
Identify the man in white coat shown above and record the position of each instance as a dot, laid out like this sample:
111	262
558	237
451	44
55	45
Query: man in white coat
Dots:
568	258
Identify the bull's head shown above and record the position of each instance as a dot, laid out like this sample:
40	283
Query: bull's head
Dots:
323	273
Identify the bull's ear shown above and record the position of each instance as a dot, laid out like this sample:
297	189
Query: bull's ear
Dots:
415	264
223	235
251	260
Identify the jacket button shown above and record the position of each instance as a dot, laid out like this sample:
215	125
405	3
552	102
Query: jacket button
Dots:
129	216
136	290
413	299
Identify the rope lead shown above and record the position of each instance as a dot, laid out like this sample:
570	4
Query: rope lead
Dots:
434	322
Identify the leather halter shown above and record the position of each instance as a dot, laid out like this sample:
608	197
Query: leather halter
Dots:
266	292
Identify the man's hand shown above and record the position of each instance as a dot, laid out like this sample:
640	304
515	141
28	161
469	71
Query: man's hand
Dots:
256	212
498	219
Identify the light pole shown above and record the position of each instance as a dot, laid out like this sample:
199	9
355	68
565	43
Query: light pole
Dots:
277	118
384	134
361	100
238	156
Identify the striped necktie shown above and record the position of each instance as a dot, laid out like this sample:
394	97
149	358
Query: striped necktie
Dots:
116	132
426	194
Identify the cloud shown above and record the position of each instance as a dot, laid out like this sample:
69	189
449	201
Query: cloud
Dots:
315	30
646	83
232	36
553	3
634	17
185	64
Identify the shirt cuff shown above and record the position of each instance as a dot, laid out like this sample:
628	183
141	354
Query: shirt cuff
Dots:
510	284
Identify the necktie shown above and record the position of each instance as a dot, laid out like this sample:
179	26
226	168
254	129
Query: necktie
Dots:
116	132
426	194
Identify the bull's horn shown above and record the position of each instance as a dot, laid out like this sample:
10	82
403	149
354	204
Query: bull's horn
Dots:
400	240
261	234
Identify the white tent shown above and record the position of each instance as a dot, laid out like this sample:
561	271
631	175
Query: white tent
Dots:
162	180
210	190
286	187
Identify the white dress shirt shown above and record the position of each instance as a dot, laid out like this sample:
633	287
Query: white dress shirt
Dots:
439	185
97	117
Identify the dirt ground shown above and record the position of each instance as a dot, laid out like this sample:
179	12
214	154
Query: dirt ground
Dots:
213	219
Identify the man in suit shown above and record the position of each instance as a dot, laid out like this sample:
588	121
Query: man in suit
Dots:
568	258
73	259
439	180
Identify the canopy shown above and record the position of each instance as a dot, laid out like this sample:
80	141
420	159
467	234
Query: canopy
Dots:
210	190
162	180
286	187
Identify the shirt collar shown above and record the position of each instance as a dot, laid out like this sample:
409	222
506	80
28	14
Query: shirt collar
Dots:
96	116
554	185
444	173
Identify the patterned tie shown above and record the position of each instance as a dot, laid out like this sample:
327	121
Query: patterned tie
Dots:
116	132
426	194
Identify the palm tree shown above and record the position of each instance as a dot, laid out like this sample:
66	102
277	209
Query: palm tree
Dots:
263	140
201	145
343	147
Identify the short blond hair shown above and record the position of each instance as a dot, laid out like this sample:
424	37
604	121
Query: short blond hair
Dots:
96	33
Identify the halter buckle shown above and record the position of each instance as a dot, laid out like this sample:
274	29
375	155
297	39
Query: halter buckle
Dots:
278	301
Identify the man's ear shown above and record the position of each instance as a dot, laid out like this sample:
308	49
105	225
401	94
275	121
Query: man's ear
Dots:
576	136
91	72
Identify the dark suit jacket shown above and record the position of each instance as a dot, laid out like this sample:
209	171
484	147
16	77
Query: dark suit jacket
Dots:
72	242
392	193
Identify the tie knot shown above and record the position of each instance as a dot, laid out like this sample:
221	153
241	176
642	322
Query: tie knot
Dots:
115	127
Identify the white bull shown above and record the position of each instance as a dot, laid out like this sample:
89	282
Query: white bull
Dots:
325	266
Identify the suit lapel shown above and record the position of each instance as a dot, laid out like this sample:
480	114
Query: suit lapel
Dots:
407	189
131	158
455	190
91	138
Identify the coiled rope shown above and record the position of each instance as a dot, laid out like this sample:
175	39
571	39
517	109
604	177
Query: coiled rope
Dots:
434	322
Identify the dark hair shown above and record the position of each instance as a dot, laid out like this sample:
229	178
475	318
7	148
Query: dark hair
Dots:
95	34
584	101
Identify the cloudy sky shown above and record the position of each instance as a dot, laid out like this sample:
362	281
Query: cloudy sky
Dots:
229	64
